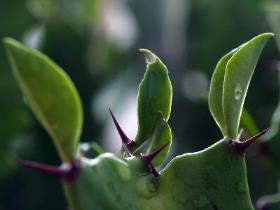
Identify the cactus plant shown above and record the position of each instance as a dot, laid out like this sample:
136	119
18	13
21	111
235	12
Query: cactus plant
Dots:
214	178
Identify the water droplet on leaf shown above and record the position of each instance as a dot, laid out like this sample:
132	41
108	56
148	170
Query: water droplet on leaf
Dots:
238	92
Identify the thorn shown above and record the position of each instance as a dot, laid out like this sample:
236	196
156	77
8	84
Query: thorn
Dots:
147	160
125	140
154	171
67	171
241	146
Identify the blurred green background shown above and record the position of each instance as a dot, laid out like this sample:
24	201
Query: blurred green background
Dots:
96	42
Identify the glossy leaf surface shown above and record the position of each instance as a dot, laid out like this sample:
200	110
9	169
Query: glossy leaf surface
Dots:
216	91
162	135
51	96
154	95
238	75
230	83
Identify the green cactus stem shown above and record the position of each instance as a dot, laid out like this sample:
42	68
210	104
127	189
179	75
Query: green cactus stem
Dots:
211	179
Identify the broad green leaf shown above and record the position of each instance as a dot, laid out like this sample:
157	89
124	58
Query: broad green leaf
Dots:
50	94
216	91
154	95
162	135
238	74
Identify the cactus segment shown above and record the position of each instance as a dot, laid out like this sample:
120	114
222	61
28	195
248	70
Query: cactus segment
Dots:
190	181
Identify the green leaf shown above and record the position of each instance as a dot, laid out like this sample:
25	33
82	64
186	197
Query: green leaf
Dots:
154	95
230	81
239	71
161	136
50	94
216	91
248	124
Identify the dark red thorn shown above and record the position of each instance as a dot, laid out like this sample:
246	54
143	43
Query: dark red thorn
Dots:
154	171
126	141
67	171
147	159
241	146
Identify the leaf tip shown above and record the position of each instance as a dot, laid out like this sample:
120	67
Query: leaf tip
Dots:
9	42
265	36
149	56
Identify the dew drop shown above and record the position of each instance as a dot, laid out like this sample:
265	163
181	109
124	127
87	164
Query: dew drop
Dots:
238	92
